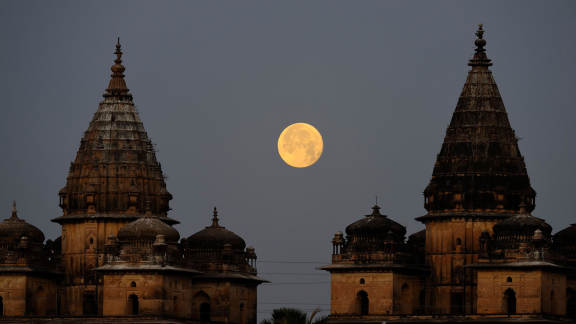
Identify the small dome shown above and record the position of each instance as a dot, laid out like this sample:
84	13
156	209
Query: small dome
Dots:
376	224
566	236
14	228
418	238
215	237
146	228
522	224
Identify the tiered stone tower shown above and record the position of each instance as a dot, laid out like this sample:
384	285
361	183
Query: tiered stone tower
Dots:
114	177
479	179
482	257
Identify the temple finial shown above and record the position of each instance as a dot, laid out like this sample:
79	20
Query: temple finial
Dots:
14	210
480	58
480	41
375	211
215	218
117	85
118	52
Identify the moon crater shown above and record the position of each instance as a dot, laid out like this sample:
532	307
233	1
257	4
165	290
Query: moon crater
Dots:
300	145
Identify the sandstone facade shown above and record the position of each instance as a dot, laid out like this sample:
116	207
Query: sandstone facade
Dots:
119	256
482	257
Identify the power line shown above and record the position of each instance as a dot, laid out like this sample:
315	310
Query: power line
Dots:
293	273
296	283
288	303
302	309
269	312
304	262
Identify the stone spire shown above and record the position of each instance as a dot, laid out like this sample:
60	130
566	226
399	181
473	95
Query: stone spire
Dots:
117	85
375	211
215	218
479	168
480	58
115	173
14	211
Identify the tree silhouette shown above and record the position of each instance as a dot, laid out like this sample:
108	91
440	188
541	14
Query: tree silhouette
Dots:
286	315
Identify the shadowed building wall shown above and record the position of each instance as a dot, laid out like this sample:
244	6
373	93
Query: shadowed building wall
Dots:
115	173
119	254
483	256
479	179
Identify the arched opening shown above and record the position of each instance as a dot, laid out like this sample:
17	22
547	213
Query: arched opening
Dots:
133	304
58	303
509	279
133	284
37	302
552	303
509	301
571	303
363	302
362	281
405	299
1	306
205	312
202	307
457	303
421	302
432	302
89	303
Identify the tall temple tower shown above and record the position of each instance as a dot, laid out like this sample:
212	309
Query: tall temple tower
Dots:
479	179
114	179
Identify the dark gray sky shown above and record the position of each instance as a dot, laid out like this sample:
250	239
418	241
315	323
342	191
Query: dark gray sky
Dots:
216	82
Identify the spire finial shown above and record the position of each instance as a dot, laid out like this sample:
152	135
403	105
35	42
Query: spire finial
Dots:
14	210
480	41
375	211
480	58
118	52
215	218
117	86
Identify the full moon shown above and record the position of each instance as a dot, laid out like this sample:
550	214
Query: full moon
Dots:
300	145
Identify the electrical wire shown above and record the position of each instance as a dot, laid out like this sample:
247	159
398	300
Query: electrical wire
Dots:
288	303
293	262
292	273
295	283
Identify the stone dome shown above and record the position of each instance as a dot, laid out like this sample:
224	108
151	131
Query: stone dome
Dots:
14	228
376	225
563	241
418	238
146	228
567	235
522	225
214	237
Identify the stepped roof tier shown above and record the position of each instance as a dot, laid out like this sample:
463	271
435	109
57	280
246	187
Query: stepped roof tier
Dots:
479	170
215	237
521	227
373	231
147	228
115	171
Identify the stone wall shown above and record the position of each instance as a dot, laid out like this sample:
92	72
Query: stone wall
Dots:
533	291
388	293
